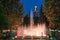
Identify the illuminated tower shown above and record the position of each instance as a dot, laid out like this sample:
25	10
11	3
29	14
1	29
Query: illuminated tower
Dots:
35	11
35	15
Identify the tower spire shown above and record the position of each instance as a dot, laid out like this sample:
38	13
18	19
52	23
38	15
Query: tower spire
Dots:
35	9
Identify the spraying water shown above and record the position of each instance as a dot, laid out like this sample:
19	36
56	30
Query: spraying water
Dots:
39	30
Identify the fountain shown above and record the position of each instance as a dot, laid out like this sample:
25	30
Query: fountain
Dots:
38	31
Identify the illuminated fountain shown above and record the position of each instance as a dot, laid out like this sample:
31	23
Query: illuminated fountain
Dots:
38	31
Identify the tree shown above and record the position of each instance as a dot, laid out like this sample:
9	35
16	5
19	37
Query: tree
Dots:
3	19
13	11
52	12
26	20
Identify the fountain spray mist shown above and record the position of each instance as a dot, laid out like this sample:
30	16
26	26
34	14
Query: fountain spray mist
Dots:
37	31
